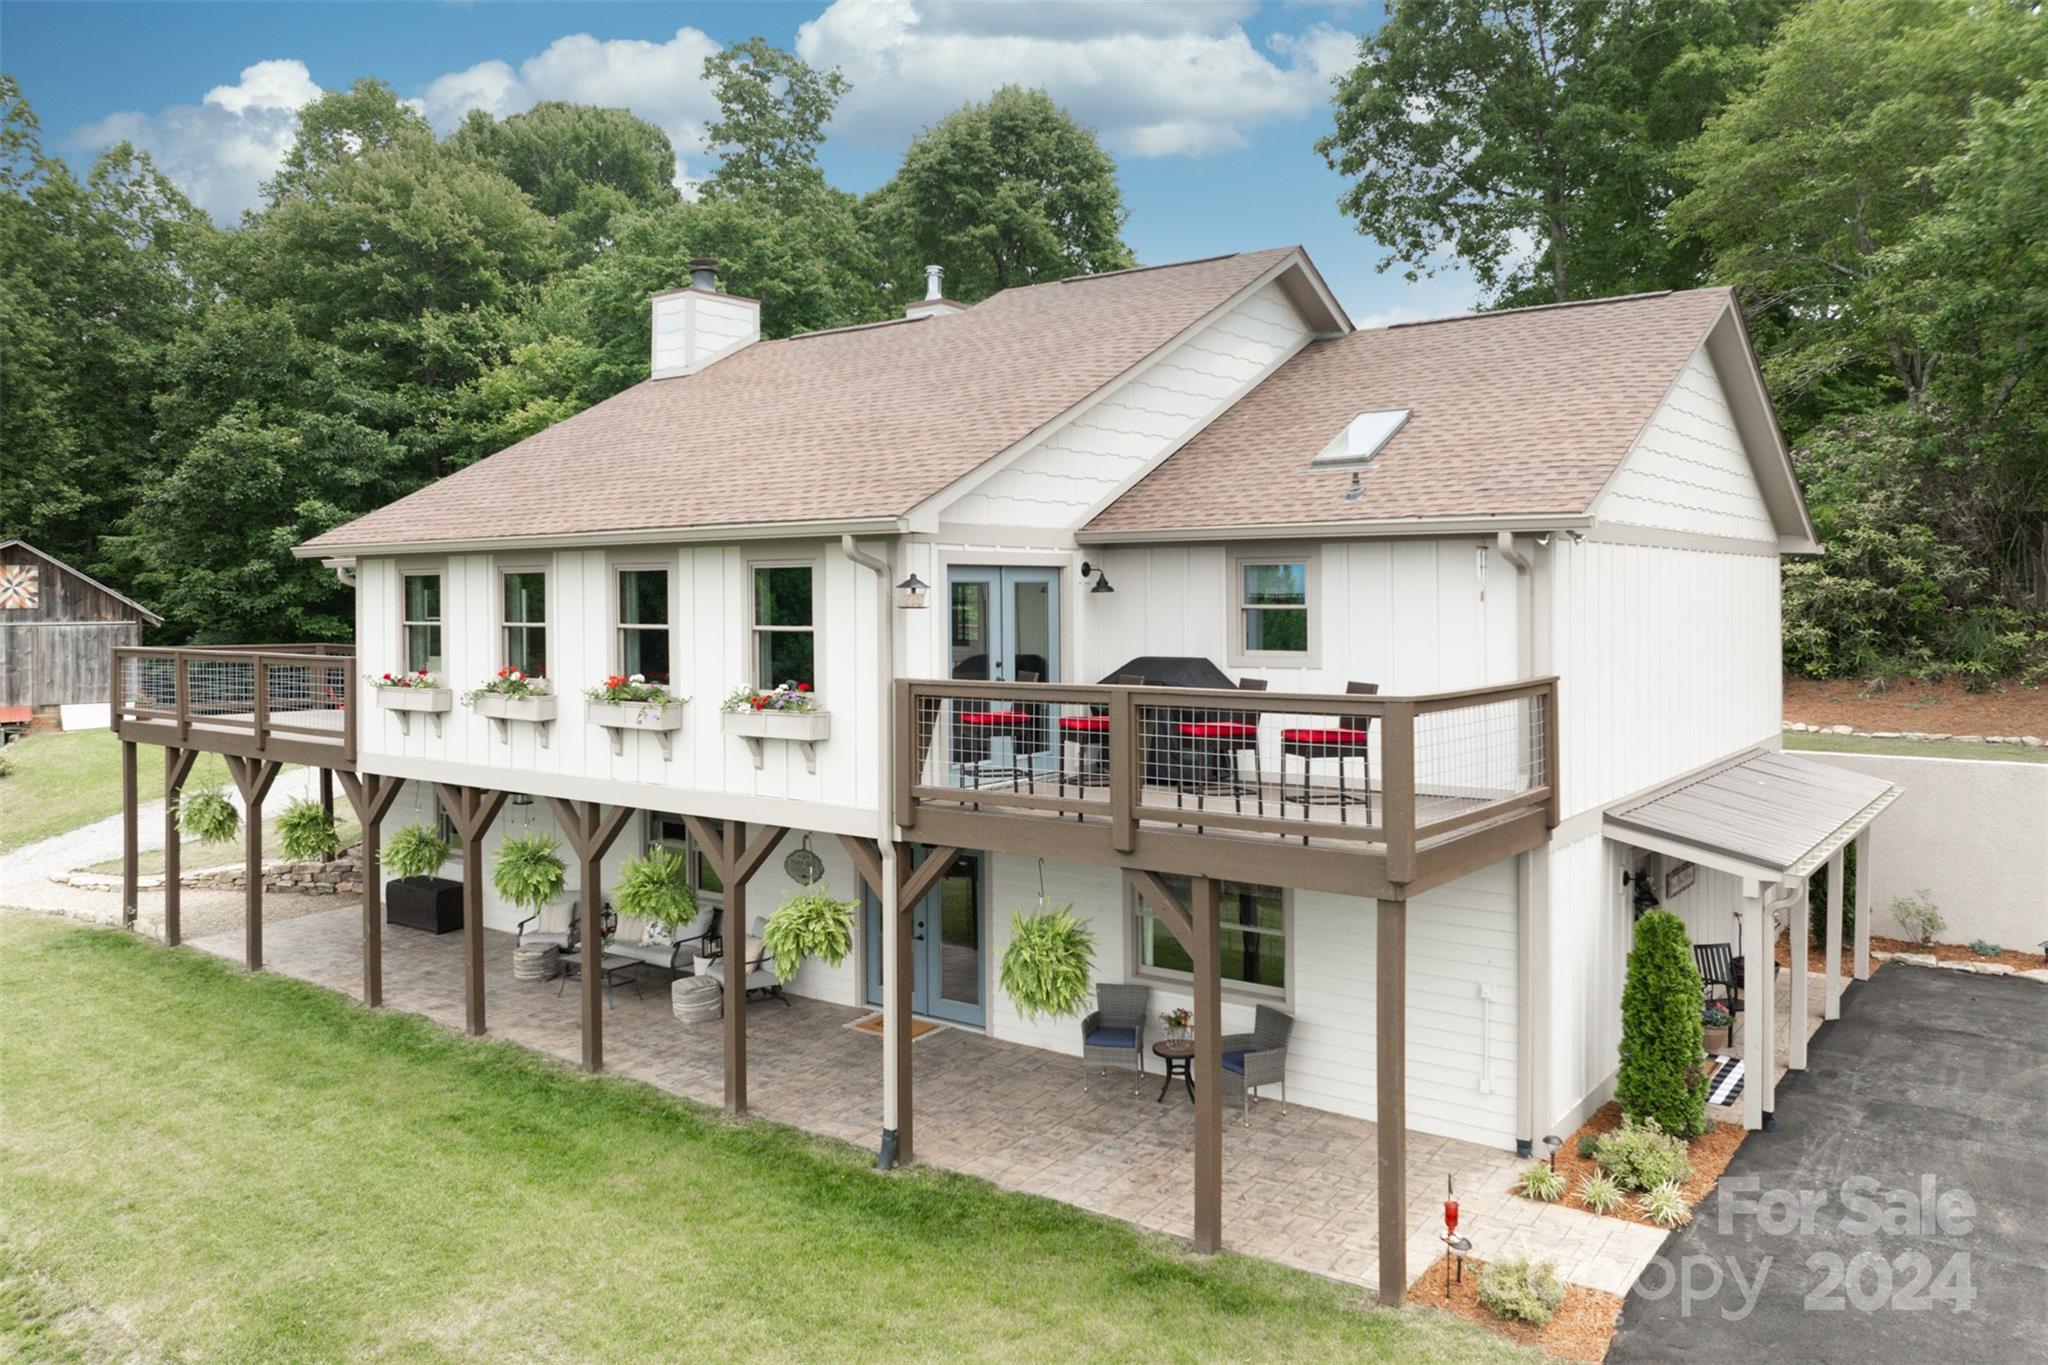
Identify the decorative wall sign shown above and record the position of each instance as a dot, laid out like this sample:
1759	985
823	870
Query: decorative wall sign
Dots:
803	866
1677	877
21	587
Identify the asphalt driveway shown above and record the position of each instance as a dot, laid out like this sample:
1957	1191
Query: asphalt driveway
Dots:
1900	1210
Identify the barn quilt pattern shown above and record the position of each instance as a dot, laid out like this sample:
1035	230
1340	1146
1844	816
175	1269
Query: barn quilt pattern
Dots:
20	586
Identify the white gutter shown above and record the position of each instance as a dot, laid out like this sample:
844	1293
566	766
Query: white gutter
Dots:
583	540
1343	530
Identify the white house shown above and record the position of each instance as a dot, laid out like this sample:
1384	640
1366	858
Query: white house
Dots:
1546	543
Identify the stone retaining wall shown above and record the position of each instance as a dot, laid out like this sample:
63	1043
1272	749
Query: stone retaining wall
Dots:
342	877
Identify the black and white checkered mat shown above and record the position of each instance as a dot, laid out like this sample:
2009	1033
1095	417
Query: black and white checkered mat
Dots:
1726	1087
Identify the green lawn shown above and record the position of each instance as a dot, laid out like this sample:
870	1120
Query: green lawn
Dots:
62	781
205	1164
1912	748
196	855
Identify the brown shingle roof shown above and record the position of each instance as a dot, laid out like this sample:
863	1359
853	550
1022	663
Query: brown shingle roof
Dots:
845	425
1513	413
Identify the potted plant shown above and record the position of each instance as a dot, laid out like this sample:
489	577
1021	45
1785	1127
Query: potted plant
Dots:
808	924
787	712
1179	1023
530	871
1047	963
209	817
514	695
1714	1020
418	899
408	693
620	704
307	832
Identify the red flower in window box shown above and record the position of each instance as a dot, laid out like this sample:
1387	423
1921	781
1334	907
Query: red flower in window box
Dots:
803	687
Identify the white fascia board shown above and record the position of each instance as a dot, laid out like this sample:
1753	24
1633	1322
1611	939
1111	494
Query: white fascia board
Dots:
1343	530
591	540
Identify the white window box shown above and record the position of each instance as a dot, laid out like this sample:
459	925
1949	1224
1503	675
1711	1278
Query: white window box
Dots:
502	710
621	717
434	701
803	727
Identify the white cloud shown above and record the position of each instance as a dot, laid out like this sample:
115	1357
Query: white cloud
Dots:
220	150
1153	80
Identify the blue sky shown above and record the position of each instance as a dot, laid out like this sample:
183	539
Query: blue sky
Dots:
1212	109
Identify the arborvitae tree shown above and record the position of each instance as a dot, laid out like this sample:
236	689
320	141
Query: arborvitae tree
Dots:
1660	1028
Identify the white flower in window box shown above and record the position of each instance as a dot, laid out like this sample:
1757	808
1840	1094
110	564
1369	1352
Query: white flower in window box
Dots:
514	696
789	712
620	704
412	693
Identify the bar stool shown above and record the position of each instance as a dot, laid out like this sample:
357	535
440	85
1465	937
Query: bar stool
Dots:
1216	746
1347	741
980	729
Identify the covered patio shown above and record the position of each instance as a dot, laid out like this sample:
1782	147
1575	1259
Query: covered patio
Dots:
1299	1188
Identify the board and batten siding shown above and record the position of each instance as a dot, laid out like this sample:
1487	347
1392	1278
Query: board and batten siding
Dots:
1081	465
1688	471
1579	1008
711	657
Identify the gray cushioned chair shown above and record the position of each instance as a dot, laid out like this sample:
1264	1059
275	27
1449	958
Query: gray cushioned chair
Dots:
1258	1058
1113	1034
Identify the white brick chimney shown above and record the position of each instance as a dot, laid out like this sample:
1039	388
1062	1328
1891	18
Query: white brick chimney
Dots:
696	325
934	303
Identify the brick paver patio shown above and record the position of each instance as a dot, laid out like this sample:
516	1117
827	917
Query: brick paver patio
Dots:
1299	1188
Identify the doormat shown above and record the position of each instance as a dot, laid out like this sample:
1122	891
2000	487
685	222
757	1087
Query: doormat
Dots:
873	1024
1726	1087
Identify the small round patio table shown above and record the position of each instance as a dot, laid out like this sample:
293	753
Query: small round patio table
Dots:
1179	1056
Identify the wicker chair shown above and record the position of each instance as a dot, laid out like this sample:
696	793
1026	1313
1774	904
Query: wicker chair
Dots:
1114	1033
1258	1058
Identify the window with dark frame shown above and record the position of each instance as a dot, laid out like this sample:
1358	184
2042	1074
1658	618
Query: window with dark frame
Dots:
1273	606
420	620
643	624
1253	941
785	635
666	831
526	622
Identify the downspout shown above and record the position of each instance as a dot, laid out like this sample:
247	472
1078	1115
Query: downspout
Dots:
885	823
344	569
1532	887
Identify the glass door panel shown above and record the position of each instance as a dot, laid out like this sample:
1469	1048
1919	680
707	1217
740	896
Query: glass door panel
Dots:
952	917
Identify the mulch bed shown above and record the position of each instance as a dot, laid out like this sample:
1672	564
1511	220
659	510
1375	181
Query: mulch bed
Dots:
1817	960
1908	704
1581	1330
1709	1154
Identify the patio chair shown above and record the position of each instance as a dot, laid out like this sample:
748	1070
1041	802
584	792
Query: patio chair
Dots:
675	954
1721	979
1113	1034
1350	740
1258	1058
556	924
761	982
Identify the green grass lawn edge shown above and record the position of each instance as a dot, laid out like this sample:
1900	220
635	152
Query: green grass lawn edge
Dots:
1806	741
63	780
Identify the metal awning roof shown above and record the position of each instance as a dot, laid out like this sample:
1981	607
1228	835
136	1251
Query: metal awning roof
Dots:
1761	814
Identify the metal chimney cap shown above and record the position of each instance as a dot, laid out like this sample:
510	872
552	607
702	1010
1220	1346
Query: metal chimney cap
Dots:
704	273
934	282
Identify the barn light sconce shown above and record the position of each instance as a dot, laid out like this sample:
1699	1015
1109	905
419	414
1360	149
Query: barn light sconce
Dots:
913	594
1101	577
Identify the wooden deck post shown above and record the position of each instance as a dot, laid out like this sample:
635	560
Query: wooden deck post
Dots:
1759	1002
327	804
1391	1114
177	767
1863	894
735	861
471	810
253	777
1795	1040
1831	1004
1204	911
591	833
131	836
371	795
914	881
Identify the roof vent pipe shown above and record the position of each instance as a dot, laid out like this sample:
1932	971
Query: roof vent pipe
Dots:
934	283
704	273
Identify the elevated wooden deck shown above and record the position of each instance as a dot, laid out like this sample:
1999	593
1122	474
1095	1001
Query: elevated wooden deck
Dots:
293	704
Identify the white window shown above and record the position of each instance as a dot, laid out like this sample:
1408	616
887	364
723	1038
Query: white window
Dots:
1253	940
784	625
420	619
669	831
526	621
643	624
1270	605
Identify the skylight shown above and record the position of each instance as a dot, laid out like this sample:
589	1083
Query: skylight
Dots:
1362	437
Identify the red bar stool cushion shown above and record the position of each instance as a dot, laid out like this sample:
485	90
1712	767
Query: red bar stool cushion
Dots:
1217	729
1094	725
994	718
1326	739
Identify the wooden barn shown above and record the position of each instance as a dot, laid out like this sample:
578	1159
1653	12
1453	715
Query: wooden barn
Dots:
58	630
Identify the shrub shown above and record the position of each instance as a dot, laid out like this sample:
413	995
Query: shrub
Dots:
1521	1290
808	924
1984	947
1641	1156
1047	963
307	832
1587	1144
530	870
1601	1193
1660	1028
657	889
6	764
1665	1206
1917	915
1540	1182
415	851
210	817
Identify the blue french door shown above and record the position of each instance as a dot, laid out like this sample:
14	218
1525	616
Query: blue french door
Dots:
949	938
1002	622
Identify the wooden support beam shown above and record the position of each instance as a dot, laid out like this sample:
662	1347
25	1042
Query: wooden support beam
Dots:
733	850
131	835
177	767
918	881
1864	881
1795	1041
253	777
471	810
866	856
1831	1000
327	804
1159	898
899	977
592	832
1205	913
1759	1007
370	796
1390	1118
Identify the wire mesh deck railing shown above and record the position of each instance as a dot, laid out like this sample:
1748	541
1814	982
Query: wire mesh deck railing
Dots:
1370	772
301	693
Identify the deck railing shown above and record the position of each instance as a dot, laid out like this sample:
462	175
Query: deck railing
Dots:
1380	774
304	693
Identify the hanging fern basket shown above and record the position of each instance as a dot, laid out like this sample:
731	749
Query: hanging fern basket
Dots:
1048	963
210	818
415	851
307	832
530	871
808	924
656	888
